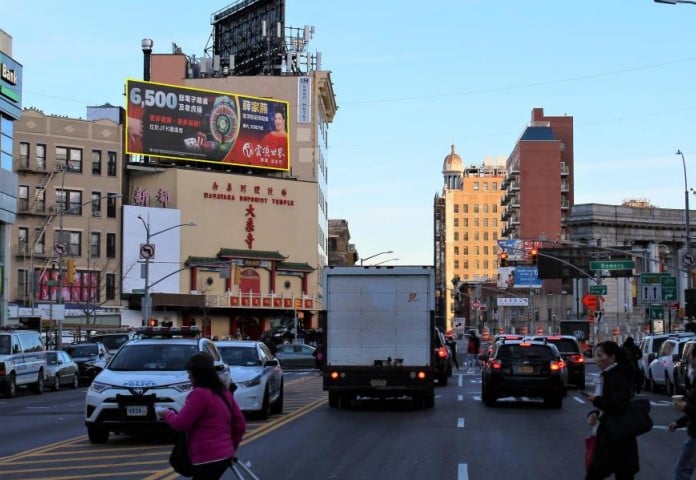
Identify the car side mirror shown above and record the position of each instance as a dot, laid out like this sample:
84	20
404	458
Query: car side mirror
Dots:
271	363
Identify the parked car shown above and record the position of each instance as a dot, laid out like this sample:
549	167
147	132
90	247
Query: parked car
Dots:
23	361
649	347
570	351
524	368
296	355
145	373
257	375
682	383
61	370
661	369
91	358
442	358
112	340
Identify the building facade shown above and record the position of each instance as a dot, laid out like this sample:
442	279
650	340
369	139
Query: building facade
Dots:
67	237
341	251
10	111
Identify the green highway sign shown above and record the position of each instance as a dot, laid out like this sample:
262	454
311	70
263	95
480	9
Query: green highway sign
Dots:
669	288
650	279
138	290
612	265
598	289
657	312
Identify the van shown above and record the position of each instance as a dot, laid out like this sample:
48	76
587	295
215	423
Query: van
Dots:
22	361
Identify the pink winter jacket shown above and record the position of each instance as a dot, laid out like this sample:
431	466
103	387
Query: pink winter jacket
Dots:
212	433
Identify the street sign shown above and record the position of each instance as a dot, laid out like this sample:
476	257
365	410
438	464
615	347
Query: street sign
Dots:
147	251
612	265
669	288
138	290
598	289
657	312
650	293
59	248
590	301
688	259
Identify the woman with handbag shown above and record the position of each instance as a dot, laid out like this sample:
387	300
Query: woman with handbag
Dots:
612	398
211	419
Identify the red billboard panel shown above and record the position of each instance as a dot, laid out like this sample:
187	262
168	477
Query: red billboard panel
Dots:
183	123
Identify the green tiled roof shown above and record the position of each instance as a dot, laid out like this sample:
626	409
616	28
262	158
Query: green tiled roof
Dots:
201	260
256	254
302	267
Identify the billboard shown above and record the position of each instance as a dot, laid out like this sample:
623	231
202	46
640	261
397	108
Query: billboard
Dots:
517	250
183	123
518	277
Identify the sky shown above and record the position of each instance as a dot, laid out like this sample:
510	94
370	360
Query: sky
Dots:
411	79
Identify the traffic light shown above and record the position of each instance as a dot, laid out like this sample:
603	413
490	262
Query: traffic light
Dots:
70	271
503	259
533	255
152	322
690	304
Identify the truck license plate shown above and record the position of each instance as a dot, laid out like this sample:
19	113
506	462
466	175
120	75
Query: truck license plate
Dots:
378	382
136	411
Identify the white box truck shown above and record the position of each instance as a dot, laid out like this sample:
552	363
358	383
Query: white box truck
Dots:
379	333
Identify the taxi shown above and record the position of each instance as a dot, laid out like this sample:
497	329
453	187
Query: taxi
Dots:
146	372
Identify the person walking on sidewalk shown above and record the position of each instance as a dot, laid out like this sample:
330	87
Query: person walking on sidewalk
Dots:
687	460
472	349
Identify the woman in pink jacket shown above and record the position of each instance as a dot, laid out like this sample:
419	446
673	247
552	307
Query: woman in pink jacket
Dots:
211	417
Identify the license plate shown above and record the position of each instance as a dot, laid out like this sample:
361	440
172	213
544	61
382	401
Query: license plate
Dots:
136	411
526	369
378	382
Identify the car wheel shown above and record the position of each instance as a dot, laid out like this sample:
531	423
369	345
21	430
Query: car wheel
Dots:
75	382
333	400
39	385
56	383
11	387
97	434
488	397
265	407
277	407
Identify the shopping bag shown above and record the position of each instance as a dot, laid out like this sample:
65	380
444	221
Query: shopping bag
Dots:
590	446
633	422
179	458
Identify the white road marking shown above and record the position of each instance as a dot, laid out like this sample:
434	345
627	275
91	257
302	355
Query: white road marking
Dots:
477	398
460	398
463	472
579	400
460	381
460	423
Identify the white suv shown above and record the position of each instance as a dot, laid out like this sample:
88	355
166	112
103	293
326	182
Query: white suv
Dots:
661	369
146	372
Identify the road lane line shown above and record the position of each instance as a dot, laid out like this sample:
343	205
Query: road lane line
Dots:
463	472
460	423
579	400
460	398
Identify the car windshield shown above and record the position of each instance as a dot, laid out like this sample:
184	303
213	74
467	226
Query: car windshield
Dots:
239	355
657	343
521	353
566	345
135	357
87	350
112	342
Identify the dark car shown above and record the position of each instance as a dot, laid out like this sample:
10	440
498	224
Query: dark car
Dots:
524	368
112	340
91	358
296	355
442	358
570	351
682	383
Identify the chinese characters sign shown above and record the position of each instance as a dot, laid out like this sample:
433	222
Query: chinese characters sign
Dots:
203	125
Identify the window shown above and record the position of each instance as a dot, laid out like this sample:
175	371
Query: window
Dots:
494	208
456	222
22	283
476	236
111	205
485	249
466	263
111	164
23	198
466	236
456	208
456	250
456	236
456	264
484	208
485	264
23	240
72	240
485	222
96	204
465	208
69	201
485	186
24	155
70	157
96	162
465	222
465	249
39	243
6	146
485	236
94	244
41	156
110	245
110	286
495	222
495	186
477	264
476	186
476	222
494	235
476	208
477	250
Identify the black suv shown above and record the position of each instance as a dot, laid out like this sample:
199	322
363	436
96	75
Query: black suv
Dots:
524	368
442	358
570	351
91	358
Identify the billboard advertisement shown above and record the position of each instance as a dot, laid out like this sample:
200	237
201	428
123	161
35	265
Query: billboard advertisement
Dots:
183	123
517	250
518	277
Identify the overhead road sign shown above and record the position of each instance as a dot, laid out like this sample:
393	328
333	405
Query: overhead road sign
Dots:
612	265
598	289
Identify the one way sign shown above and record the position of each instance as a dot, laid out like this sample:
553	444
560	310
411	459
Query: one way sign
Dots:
651	293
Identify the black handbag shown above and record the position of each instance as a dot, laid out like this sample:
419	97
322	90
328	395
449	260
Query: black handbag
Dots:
179	458
633	422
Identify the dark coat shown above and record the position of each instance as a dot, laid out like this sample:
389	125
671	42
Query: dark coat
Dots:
614	456
688	420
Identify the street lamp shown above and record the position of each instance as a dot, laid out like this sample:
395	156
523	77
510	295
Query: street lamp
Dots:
147	247
385	261
674	2
687	239
373	256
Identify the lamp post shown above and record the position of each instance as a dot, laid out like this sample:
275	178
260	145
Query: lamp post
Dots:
147	252
373	256
385	261
687	238
674	2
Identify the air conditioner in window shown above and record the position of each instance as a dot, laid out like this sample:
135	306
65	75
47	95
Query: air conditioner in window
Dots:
96	214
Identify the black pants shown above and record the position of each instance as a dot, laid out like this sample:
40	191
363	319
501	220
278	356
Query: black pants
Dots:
617	476
210	471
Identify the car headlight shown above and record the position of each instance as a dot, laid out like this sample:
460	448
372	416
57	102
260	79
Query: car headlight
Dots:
183	387
98	387
250	383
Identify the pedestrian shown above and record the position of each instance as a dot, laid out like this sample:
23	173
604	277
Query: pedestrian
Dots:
687	460
472	349
211	418
612	397
319	355
633	354
452	343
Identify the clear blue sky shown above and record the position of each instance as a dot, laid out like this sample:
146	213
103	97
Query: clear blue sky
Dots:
413	77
